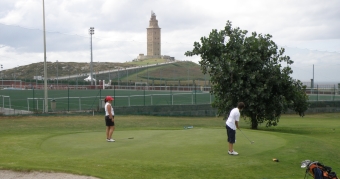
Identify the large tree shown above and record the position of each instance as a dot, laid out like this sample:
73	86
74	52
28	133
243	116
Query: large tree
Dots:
250	69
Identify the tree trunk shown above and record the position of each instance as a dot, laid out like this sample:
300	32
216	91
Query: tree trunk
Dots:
254	123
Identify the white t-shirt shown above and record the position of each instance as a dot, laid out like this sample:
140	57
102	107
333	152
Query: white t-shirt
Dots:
106	112
233	116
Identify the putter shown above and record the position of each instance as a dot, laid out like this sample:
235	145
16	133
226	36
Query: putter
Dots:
251	142
126	138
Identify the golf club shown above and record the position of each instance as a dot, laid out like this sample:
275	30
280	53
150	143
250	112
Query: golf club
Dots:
126	138
251	142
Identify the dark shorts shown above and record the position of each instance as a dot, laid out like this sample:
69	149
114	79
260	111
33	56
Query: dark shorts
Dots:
109	121
231	134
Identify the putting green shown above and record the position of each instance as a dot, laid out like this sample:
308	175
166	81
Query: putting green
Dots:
161	148
164	145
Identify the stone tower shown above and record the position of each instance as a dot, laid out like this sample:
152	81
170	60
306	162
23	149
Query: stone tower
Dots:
153	38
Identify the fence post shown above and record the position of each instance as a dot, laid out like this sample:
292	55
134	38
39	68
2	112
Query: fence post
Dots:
114	94
151	99
317	92
171	97
195	94
144	94
100	97
192	97
33	100
334	94
68	99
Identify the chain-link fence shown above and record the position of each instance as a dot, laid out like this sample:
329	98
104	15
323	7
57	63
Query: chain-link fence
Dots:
89	100
85	100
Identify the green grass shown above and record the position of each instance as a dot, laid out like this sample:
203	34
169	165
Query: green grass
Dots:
162	148
147	61
182	72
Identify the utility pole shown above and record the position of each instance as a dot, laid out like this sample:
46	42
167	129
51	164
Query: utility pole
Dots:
91	31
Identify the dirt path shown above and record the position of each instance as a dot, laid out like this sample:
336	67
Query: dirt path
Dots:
8	174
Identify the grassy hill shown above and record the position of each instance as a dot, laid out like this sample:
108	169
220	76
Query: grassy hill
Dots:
181	72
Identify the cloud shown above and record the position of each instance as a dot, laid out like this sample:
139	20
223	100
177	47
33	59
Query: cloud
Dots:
120	29
326	65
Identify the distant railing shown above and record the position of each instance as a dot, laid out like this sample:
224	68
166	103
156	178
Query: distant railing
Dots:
83	97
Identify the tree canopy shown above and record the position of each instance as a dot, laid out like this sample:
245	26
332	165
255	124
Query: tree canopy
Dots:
250	69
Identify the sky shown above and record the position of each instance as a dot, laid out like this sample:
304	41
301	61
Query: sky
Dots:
309	30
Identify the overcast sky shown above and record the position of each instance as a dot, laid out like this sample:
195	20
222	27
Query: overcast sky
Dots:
309	30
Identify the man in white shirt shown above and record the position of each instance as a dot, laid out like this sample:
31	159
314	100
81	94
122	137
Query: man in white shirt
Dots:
232	125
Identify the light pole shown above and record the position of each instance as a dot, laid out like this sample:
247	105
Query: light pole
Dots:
57	73
2	78
312	82
45	65
91	31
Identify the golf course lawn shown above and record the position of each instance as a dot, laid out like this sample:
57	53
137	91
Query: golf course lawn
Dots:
160	147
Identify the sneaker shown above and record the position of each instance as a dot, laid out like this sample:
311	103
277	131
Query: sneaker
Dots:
232	153
111	140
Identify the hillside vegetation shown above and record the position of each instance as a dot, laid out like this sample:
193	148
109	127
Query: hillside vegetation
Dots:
180	72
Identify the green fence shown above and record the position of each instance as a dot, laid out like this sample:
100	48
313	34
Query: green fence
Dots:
32	101
324	97
83	100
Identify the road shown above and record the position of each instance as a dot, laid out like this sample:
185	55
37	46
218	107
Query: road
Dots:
115	70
